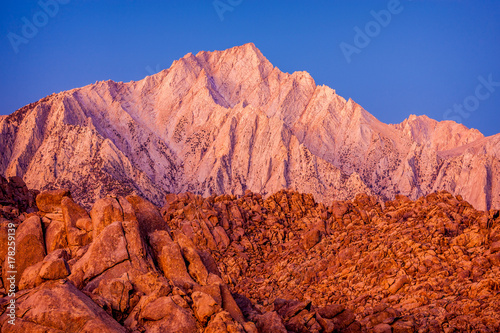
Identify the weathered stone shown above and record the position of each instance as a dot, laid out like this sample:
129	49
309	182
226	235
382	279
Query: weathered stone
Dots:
55	236
72	212
107	250
400	282
50	201
311	239
169	258
106	211
30	247
31	277
116	292
204	306
147	214
229	304
330	311
223	323
196	268
270	322
163	315
63	308
382	328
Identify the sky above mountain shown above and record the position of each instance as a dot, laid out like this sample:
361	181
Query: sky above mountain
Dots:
395	58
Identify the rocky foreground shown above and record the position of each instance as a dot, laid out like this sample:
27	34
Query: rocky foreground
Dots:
249	264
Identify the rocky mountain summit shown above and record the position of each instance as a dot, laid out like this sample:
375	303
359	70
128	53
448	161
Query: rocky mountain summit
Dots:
224	122
284	263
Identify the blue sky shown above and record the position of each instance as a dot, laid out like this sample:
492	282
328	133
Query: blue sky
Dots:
395	58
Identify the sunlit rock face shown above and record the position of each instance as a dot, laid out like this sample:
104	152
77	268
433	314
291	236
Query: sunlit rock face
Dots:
227	121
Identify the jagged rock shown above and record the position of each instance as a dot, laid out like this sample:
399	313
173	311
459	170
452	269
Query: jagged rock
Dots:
59	307
204	306
50	201
229	304
104	212
74	215
169	257
330	311
108	249
56	236
30	247
4	238
15	194
401	267
30	277
382	328
400	282
116	292
164	315
270	322
147	214
54	269
223	323
311	238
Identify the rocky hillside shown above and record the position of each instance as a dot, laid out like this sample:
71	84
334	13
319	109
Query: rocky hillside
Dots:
248	264
229	121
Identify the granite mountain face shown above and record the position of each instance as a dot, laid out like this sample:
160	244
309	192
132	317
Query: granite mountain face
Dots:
229	121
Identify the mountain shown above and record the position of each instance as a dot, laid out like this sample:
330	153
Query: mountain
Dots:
229	121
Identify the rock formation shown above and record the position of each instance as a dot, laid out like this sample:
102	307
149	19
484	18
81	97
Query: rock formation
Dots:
228	121
229	263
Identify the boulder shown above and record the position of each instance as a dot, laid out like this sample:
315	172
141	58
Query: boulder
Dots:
30	247
53	267
169	258
58	306
109	210
74	215
50	201
55	236
270	322
108	249
311	238
116	292
147	215
164	315
224	323
204	306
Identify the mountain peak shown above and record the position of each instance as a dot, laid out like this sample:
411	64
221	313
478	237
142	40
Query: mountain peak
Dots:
229	121
246	55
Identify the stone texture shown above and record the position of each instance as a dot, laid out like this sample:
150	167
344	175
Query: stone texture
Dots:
204	306
223	323
60	307
104	212
270	322
170	259
55	236
164	315
107	250
30	247
50	201
147	214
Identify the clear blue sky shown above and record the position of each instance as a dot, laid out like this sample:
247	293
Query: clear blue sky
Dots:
429	57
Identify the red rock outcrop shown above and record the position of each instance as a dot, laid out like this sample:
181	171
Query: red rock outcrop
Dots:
248	264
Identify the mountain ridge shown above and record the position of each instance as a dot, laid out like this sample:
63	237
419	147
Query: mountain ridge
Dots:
227	121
